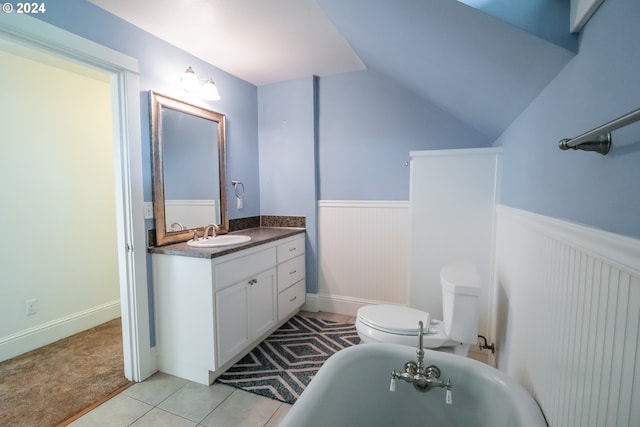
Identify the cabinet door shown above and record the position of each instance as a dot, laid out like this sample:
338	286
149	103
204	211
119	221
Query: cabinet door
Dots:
232	321
263	302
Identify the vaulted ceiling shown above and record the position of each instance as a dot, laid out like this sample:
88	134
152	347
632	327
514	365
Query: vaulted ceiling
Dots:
483	67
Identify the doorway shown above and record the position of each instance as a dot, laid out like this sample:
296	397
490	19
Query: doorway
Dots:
121	73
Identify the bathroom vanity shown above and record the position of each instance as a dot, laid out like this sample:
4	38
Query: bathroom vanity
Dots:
213	305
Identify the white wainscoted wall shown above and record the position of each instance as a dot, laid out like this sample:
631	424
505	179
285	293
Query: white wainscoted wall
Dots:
192	213
568	318
363	254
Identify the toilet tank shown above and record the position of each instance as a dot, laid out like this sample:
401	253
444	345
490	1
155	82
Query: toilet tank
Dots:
460	292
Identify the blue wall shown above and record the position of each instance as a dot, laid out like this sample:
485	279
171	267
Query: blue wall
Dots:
601	83
548	19
367	126
287	133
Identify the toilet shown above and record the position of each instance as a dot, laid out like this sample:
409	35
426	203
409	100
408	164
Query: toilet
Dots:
454	333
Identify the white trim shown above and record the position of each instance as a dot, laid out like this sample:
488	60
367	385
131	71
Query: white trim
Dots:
456	152
31	31
46	333
125	87
620	251
390	204
311	303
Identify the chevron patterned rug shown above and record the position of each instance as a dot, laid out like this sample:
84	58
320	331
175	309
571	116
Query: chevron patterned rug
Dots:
281	366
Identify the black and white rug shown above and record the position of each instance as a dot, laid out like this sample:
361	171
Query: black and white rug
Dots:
281	366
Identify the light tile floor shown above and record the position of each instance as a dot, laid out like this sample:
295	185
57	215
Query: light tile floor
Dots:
165	400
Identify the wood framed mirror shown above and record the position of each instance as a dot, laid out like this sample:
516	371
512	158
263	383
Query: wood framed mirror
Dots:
188	147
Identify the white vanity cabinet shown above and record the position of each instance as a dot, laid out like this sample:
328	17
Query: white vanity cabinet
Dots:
291	275
245	301
210	312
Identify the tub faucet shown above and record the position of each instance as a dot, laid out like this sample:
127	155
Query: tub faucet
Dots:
214	230
415	373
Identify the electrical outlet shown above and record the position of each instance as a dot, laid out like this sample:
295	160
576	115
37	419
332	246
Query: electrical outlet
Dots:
148	210
31	307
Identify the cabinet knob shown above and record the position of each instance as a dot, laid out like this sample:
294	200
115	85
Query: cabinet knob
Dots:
253	281
293	272
292	249
293	299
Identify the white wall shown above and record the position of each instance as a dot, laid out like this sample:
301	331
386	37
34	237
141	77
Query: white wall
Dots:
453	197
363	254
58	198
568	315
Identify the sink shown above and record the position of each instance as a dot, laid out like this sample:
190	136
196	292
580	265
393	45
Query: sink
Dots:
225	240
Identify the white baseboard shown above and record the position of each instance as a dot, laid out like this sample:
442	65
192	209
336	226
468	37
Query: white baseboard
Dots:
337	304
46	333
311	303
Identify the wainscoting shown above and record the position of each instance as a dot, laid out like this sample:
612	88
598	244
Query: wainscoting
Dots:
363	253
568	317
191	213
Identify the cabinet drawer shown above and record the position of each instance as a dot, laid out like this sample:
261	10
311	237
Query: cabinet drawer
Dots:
290	249
290	272
235	270
290	299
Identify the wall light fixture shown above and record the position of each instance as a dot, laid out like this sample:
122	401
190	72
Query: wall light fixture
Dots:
191	83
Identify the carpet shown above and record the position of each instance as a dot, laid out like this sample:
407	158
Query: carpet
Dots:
49	385
282	365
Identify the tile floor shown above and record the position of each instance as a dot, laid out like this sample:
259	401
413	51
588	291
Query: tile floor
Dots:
165	400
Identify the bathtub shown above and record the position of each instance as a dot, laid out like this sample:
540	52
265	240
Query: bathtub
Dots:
352	389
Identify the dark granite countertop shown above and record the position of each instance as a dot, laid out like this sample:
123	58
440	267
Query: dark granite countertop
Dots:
259	236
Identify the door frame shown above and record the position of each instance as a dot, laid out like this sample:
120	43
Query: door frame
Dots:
131	239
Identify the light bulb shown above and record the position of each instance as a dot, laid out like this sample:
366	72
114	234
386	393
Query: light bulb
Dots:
189	81
210	91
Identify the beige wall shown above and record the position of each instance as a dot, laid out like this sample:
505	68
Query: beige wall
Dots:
58	200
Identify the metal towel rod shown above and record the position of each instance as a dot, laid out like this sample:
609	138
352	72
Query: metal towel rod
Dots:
599	139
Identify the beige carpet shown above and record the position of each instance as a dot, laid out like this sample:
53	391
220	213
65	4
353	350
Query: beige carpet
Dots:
51	384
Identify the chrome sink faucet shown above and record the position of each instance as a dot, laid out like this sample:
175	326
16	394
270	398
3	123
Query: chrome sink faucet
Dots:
415	373
214	230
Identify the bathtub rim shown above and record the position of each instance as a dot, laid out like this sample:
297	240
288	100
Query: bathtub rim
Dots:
527	408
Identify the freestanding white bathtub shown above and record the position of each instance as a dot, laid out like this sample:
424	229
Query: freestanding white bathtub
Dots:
352	389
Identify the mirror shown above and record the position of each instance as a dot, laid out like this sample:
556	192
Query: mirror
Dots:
188	150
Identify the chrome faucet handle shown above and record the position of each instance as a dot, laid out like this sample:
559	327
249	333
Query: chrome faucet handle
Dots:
195	236
420	351
433	371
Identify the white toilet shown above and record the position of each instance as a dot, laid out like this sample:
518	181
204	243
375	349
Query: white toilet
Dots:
399	324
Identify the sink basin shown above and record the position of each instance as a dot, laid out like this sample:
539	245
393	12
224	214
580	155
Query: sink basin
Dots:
225	240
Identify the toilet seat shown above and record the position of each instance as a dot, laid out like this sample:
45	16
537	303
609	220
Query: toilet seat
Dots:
399	325
394	319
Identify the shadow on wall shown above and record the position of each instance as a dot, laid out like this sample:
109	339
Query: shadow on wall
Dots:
502	327
623	150
504	341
